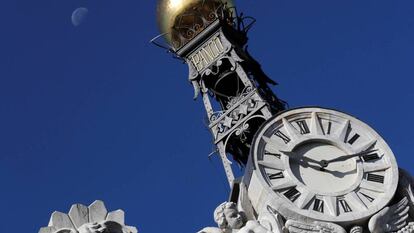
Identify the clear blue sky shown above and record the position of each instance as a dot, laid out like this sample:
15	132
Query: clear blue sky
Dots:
96	112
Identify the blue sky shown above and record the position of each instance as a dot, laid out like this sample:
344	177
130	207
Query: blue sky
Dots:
96	112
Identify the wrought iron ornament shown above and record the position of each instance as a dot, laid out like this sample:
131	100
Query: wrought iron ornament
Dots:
233	87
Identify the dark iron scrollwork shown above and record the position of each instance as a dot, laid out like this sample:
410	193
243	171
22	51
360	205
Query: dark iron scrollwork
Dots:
233	100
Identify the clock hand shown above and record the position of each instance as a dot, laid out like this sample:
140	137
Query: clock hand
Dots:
325	163
292	155
303	163
339	174
312	160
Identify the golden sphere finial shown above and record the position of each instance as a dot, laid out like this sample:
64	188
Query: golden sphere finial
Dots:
174	15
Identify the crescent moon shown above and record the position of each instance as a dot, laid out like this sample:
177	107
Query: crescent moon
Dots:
79	15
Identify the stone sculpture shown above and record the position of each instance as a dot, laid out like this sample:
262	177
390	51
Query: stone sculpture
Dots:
272	221
253	227
390	219
397	217
406	189
92	219
230	220
227	216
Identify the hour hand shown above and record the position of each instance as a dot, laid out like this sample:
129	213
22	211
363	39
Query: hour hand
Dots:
295	157
304	162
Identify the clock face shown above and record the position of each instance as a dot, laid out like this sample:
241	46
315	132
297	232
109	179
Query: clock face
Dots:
324	164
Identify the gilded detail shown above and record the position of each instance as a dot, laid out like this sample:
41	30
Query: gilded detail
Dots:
181	20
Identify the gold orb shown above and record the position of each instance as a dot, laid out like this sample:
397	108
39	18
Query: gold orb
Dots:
173	12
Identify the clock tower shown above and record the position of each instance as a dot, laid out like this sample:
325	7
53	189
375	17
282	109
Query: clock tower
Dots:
307	169
211	38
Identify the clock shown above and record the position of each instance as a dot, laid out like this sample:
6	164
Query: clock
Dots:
321	164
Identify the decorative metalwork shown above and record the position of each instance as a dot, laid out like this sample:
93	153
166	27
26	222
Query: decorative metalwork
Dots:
214	69
241	132
233	118
216	115
211	37
233	100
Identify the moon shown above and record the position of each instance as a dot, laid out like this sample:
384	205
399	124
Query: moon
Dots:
79	15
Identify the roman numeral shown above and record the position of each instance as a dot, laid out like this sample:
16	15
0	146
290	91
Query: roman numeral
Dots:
345	207
354	138
273	154
370	157
328	131
375	178
282	136
292	194
318	205
370	199
274	176
303	126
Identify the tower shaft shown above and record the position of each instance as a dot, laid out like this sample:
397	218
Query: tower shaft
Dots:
233	87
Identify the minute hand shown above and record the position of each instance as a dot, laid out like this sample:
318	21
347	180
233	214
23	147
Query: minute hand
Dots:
325	163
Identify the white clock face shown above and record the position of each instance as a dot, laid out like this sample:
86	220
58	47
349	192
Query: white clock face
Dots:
325	165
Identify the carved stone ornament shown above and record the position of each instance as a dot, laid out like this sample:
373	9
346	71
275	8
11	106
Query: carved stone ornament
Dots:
391	218
316	226
92	219
397	217
229	220
394	218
